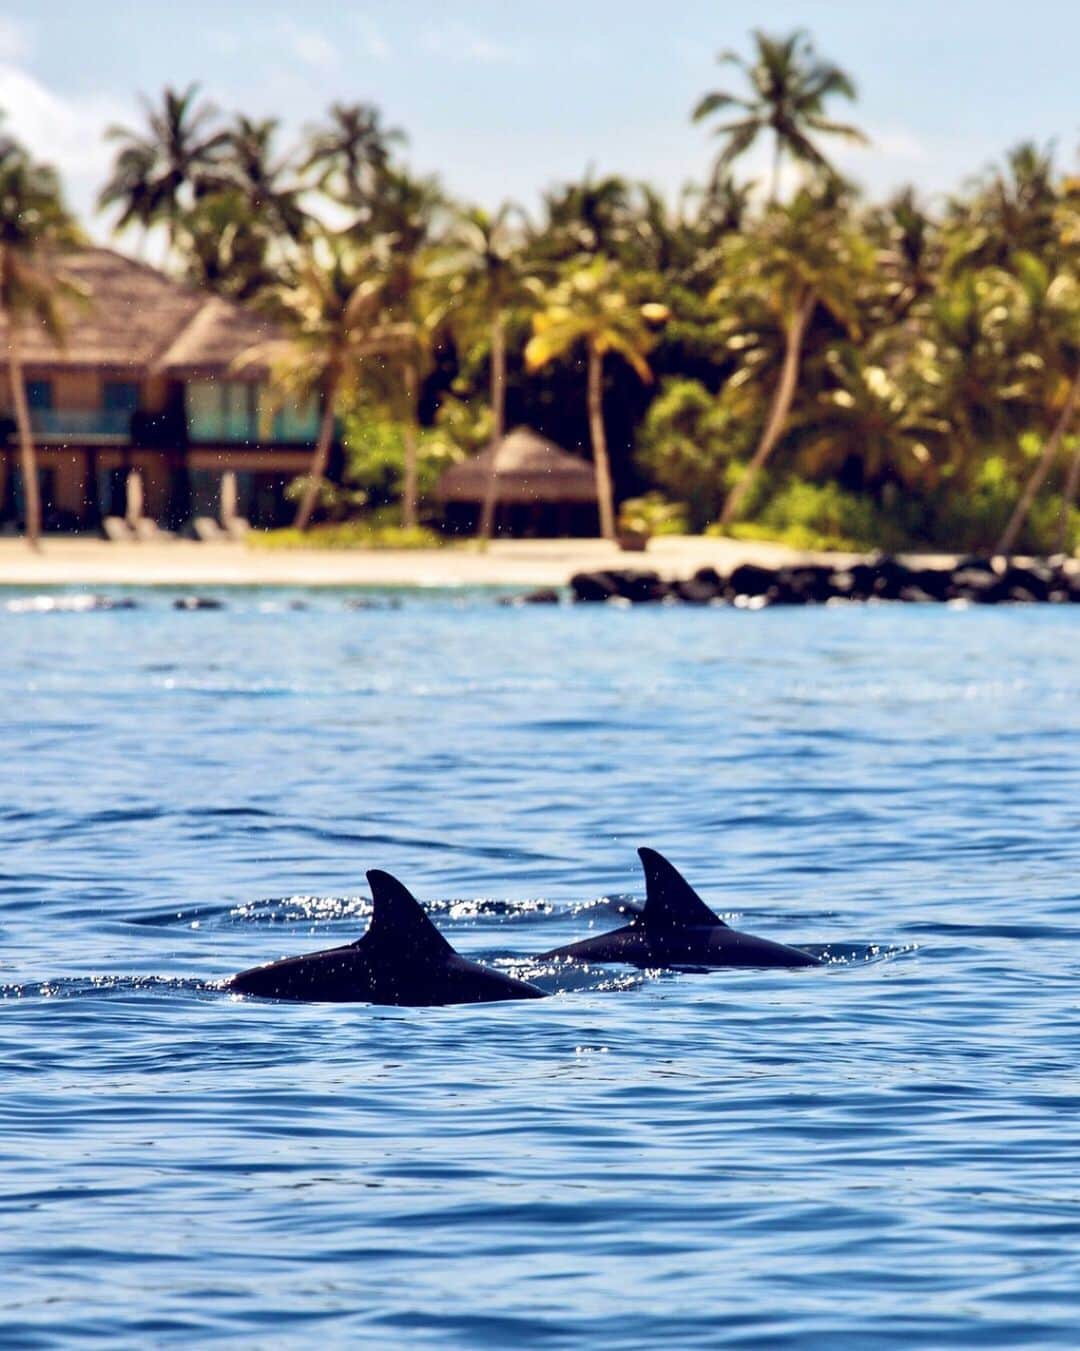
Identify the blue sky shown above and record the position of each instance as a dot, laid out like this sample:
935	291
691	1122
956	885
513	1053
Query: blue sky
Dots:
503	99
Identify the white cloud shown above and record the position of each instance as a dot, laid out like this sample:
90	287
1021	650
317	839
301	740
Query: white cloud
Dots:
310	46
460	43
15	39
372	39
65	131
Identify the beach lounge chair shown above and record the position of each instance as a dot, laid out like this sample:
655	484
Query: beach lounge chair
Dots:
117	529
206	530
148	531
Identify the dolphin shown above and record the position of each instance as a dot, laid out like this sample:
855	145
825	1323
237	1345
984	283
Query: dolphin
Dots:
402	959
677	928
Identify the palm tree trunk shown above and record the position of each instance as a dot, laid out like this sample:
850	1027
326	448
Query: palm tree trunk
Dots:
1068	500
604	494
27	455
1007	541
498	420
774	183
408	495
319	460
780	409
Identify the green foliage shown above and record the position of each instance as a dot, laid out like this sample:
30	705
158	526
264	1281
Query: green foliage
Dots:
375	457
652	514
464	423
819	516
973	520
689	442
362	534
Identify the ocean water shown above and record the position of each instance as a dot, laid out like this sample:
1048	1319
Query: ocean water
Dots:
883	1152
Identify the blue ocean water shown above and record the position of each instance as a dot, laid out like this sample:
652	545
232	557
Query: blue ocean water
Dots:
880	1153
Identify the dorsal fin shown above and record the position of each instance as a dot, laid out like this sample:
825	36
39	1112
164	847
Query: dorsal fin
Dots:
399	921
670	901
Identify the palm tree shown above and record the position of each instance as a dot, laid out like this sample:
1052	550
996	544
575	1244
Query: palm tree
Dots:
482	273
350	156
1012	210
884	422
589	306
1054	441
909	254
1052	355
333	303
789	88
402	222
802	258
225	246
159	173
33	222
259	177
591	218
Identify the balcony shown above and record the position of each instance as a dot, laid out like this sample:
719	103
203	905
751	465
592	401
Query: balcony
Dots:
233	412
288	427
102	425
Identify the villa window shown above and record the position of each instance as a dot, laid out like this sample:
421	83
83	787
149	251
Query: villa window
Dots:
39	394
120	396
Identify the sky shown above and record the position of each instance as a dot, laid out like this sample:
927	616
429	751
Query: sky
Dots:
504	99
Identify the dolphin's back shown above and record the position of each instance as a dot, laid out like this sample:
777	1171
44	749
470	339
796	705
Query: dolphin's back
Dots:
402	959
677	928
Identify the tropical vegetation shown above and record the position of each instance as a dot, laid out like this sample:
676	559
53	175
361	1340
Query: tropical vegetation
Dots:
782	358
34	226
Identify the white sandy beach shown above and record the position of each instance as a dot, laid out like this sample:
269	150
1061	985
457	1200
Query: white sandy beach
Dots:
547	562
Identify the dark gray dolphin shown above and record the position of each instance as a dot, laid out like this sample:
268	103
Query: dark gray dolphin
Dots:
677	928
402	959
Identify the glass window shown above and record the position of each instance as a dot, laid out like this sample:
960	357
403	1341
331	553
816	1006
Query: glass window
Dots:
39	393
120	396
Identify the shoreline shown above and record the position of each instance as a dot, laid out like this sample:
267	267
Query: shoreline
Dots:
506	563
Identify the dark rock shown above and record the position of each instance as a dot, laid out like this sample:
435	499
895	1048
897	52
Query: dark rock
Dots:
710	577
915	595
640	587
593	586
545	595
783	593
198	603
1036	579
749	579
975	583
842	583
888	577
933	581
808	584
976	563
696	591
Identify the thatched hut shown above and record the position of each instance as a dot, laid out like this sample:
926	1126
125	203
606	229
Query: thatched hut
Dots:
540	488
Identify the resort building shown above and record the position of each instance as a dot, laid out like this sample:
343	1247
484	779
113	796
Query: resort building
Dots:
144	410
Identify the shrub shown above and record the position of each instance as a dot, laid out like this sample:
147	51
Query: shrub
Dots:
652	514
688	443
364	534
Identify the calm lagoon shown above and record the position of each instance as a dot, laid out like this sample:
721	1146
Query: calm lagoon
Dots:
880	1153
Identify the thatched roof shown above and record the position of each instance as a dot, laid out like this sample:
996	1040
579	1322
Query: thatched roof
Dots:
529	469
137	320
216	336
